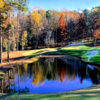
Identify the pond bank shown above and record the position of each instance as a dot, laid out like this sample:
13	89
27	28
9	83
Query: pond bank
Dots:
21	57
29	56
64	55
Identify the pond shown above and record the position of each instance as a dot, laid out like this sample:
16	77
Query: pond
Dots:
50	75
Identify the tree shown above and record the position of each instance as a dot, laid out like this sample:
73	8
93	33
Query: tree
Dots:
4	8
36	24
95	24
1	7
23	39
20	5
81	28
96	35
62	27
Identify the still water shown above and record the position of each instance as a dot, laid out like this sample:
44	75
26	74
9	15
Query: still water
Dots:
50	75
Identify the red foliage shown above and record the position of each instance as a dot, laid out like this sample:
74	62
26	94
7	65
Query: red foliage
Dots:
62	27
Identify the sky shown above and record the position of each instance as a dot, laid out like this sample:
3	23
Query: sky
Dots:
60	4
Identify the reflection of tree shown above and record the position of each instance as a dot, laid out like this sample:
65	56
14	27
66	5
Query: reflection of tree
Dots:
71	67
48	68
37	74
94	75
61	67
7	82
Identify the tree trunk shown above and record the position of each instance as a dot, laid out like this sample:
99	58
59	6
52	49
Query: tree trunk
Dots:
0	45
17	33
22	47
62	43
8	49
8	41
94	41
2	86
0	42
13	42
37	42
36	45
23	30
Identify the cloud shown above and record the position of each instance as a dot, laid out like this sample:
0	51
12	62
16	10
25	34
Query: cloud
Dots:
88	8
80	10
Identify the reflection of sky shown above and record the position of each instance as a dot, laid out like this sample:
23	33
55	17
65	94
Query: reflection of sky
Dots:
52	86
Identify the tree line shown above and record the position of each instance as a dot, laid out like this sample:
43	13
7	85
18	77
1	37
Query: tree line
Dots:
21	29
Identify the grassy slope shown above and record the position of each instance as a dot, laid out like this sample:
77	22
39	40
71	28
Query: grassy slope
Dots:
80	51
37	52
92	93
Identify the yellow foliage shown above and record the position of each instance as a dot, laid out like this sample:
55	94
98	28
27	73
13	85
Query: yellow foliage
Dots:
95	9
24	38
36	17
43	11
36	20
2	3
61	13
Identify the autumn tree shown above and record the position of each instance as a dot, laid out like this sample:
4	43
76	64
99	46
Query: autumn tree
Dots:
96	35
1	7
24	40
81	27
4	8
95	24
36	24
62	27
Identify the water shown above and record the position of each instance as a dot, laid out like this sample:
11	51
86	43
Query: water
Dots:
50	75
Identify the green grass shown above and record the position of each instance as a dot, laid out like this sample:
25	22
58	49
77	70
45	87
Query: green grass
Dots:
77	50
37	52
80	51
92	93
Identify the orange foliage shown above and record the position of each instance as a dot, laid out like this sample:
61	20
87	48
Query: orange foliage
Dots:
2	3
96	33
61	23
62	26
72	15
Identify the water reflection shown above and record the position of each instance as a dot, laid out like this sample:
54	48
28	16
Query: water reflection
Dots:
50	75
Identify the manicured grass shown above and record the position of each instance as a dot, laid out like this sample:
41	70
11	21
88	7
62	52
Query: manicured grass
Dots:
81	51
92	93
37	52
